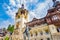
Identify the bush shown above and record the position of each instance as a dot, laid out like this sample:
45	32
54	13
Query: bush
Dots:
6	38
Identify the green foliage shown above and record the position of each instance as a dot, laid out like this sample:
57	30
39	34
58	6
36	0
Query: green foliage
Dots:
10	28
7	38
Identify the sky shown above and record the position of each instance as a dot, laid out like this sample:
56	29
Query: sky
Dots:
36	8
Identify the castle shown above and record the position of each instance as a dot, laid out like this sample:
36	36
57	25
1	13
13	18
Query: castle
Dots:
47	28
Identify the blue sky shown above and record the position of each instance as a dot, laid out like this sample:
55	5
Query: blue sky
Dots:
36	8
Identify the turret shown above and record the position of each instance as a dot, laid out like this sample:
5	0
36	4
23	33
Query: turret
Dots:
53	0
21	17
22	6
54	3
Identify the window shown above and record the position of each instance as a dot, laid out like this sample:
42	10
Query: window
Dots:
36	34
59	9
18	16
48	38
41	33
58	29
46	31
41	39
31	34
54	17
23	11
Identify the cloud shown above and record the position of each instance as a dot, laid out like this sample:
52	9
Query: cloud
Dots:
10	10
4	24
38	8
42	8
31	15
12	2
58	0
17	4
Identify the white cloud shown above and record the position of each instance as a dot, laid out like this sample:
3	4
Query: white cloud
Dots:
58	0
31	15
10	10
33	1
5	24
11	13
41	7
39	12
12	2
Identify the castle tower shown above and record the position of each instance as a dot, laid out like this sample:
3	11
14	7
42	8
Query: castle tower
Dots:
20	19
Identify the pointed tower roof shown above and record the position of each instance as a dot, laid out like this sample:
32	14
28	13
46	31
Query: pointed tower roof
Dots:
53	0
54	3
22	6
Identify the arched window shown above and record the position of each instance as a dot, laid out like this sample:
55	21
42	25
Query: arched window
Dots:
36	34
18	16
41	39
41	33
48	38
46	31
31	35
58	29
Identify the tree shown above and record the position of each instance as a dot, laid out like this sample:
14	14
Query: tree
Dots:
6	38
10	28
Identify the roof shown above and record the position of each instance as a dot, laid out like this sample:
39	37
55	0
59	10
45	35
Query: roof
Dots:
36	22
50	18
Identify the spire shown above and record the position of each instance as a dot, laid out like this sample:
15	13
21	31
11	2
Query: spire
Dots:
53	0
22	6
54	3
